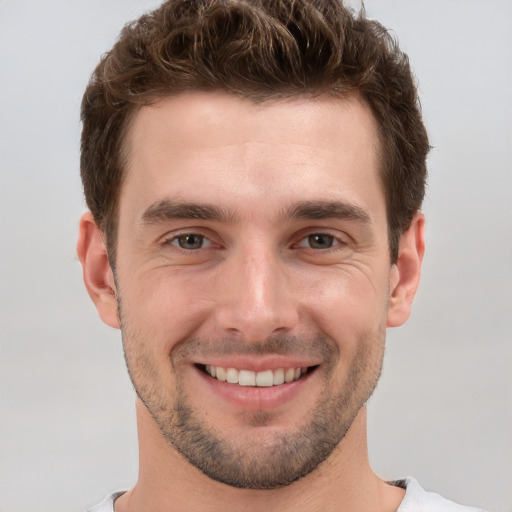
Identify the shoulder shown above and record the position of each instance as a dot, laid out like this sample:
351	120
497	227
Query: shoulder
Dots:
107	505
418	500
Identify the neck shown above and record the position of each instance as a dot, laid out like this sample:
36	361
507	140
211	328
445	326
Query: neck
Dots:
343	482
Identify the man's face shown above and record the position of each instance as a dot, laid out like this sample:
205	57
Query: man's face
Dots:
253	247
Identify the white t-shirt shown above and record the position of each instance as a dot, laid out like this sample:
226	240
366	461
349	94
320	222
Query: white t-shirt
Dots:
416	500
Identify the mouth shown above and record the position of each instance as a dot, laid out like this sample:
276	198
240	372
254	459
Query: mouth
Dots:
265	378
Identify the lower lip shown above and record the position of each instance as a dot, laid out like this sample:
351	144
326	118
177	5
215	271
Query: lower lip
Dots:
256	398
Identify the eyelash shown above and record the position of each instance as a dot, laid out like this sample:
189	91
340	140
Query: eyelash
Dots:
334	241
176	238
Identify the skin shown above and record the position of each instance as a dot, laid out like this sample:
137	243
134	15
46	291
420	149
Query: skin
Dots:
288	266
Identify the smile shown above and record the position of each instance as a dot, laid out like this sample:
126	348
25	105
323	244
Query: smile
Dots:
266	378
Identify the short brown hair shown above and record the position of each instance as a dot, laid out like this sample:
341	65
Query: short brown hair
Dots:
262	50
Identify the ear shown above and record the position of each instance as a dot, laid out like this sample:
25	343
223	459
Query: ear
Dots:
97	273
405	273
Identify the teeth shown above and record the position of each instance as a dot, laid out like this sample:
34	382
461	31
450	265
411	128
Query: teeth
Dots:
218	372
232	375
265	378
278	377
246	378
289	375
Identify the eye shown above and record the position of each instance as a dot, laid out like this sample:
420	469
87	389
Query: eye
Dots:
319	241
190	241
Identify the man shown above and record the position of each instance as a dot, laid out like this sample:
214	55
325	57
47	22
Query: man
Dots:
254	172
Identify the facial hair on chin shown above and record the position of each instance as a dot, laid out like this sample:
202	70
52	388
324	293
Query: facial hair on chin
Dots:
244	461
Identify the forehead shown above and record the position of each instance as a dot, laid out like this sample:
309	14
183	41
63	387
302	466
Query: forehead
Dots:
214	147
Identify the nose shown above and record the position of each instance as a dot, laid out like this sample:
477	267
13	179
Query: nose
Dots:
258	298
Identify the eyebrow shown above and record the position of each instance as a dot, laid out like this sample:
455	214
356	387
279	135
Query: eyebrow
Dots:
167	210
318	210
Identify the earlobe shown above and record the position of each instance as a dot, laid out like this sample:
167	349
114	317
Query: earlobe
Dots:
97	273
405	273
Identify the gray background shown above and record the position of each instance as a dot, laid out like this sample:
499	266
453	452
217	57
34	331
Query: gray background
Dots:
442	411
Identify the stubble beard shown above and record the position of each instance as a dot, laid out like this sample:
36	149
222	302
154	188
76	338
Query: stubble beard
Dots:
245	463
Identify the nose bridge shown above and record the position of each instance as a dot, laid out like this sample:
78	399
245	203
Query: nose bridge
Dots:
258	300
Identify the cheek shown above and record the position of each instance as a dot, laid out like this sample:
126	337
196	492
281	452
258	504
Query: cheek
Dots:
351	310
349	303
165	307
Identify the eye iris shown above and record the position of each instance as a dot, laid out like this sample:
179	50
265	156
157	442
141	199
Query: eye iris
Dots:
190	241
320	241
